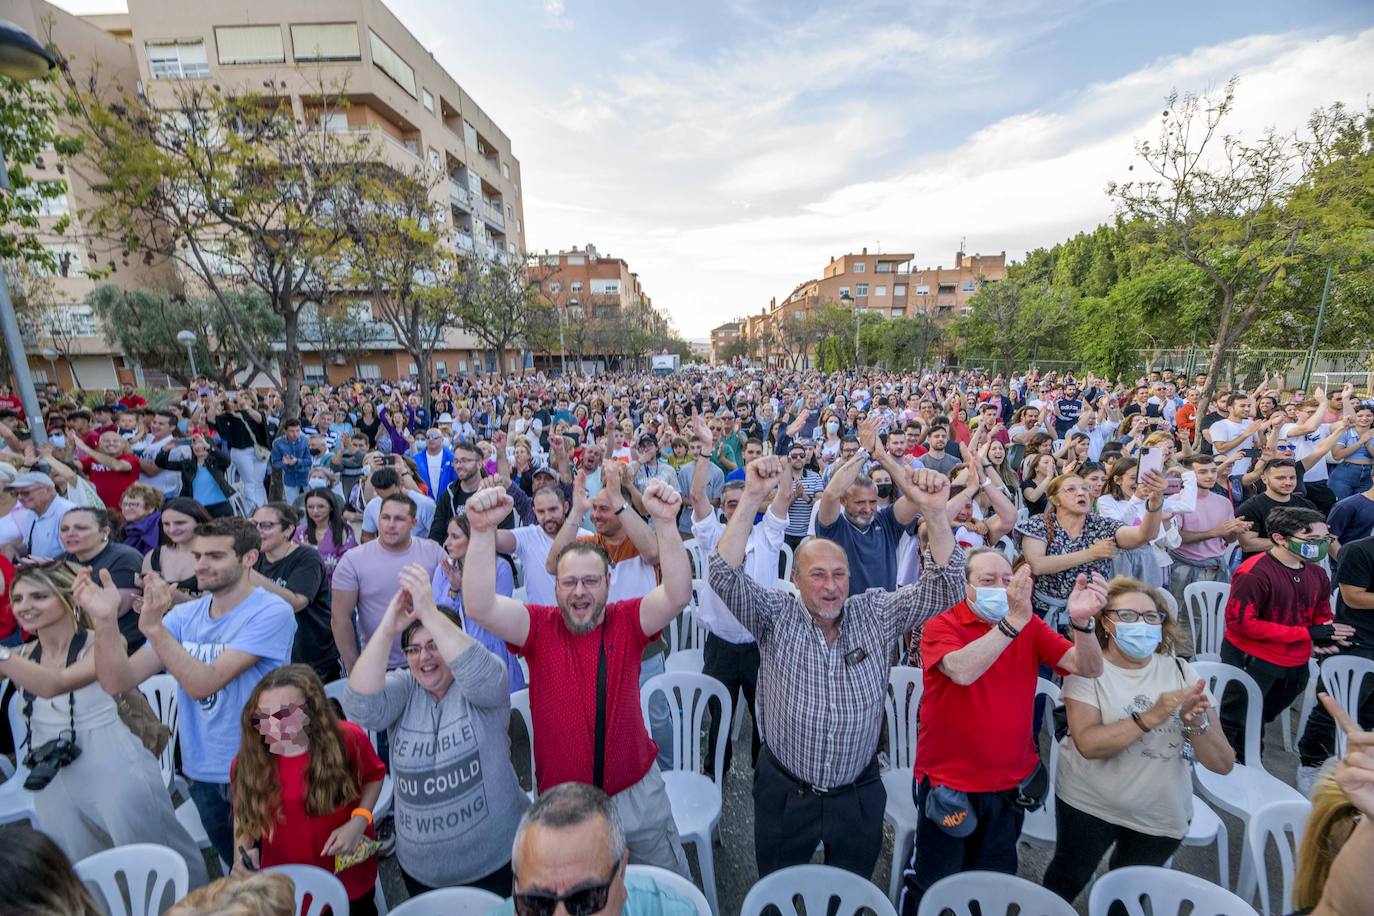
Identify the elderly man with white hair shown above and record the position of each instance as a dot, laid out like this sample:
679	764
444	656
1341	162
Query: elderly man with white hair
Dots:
38	494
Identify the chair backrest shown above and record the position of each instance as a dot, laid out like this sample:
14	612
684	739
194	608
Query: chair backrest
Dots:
161	691
787	559
1039	824
671	881
1282	821
995	893
1341	675
901	704
450	901
520	704
1220	676
141	879
1166	890
815	887
688	694
685	632
694	551
315	889
1206	603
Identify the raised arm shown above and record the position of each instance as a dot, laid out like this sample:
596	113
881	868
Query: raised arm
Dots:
701	470
667	599
116	670
1152	490
568	533
199	680
502	616
832	497
367	674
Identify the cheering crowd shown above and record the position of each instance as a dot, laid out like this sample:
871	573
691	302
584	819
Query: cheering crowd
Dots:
347	600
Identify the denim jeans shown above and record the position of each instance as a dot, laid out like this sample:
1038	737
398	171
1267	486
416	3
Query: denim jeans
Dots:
216	816
660	718
1348	478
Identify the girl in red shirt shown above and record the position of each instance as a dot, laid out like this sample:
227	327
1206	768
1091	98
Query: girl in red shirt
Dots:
304	784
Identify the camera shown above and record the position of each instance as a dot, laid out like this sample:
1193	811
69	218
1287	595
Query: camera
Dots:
44	762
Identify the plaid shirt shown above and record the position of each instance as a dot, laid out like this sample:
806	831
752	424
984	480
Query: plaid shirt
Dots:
821	705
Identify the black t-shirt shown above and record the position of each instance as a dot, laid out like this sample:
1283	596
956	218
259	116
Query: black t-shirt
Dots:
125	565
1357	569
301	571
1068	411
1256	509
239	431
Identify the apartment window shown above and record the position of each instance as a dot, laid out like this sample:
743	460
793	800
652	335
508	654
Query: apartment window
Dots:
249	44
555	287
314	373
469	135
551	260
923	289
575	286
71	321
576	260
171	60
844	291
334	122
510	212
462	365
899	290
68	259
880	291
360	312
970	286
49	206
326	41
883	267
605	287
861	289
441	368
427	100
434	161
391	63
899	313
505	170
859	267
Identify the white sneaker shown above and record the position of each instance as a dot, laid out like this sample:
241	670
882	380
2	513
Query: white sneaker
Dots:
1307	777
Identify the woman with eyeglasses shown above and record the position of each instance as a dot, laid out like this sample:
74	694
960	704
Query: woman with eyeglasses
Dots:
295	573
1124	778
304	786
446	716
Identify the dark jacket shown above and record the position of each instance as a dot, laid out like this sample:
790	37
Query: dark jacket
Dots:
217	463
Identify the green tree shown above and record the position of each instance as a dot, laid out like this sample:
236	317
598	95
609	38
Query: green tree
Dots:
498	303
29	136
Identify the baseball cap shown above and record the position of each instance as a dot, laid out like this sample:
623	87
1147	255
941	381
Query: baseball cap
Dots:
545	469
950	810
30	479
648	439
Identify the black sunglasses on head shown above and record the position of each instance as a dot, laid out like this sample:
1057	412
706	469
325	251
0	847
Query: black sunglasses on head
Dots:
582	902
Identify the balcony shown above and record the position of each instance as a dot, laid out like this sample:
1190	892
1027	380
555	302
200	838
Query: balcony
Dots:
462	241
491	212
459	195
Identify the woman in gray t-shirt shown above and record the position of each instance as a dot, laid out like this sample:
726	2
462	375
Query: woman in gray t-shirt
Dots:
458	801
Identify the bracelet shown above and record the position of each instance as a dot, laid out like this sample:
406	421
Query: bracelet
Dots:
363	813
1007	629
1135	717
1092	625
1158	508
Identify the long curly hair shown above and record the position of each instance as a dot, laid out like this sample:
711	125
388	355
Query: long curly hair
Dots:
332	783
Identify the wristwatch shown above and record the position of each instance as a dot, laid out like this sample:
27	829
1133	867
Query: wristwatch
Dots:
1092	625
5	653
622	508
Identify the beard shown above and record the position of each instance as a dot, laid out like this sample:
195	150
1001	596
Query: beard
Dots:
582	629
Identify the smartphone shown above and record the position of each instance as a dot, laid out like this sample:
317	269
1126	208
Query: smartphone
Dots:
1151	459
1172	486
1250	452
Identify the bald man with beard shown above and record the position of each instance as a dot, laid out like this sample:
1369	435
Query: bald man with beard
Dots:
823	676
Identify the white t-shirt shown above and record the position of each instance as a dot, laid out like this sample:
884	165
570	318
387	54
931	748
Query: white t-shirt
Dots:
1148	786
168	483
1306	445
532	546
435	467
1224	430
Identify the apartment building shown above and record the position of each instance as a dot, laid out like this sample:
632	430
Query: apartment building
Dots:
873	282
722	336
944	292
397	93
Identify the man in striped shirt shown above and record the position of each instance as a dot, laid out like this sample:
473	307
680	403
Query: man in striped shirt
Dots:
823	677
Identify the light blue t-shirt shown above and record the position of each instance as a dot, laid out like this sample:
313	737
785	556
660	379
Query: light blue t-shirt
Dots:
262	625
204	488
646	898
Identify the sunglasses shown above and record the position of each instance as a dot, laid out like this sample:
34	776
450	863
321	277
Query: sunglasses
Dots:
281	715
581	902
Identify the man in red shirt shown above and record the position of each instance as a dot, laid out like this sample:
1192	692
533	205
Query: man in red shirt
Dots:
974	746
1278	614
584	657
131	399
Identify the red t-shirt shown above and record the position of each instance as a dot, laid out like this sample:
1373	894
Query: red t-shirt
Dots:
1271	606
563	697
7	622
133	402
13	403
977	738
300	836
110	484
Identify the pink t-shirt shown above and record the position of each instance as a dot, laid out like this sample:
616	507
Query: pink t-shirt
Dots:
1211	511
375	574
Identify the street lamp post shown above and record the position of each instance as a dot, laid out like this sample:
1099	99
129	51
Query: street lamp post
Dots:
848	300
21	58
188	340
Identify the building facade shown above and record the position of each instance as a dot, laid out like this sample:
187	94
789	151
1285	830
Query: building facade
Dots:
722	336
395	91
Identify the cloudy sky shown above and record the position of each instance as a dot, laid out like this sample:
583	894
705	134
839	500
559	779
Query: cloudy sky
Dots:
728	148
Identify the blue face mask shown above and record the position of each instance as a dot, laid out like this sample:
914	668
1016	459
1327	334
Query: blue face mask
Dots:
990	603
1138	640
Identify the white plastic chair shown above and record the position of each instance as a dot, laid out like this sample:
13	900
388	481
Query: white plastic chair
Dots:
698	562
1039	826
315	889
1283	822
161	692
787	558
899	717
1206	604
1165	890
816	887
1206	829
695	797
140	879
669	880
520	704
1341	676
995	893
451	901
16	802
687	638
1248	787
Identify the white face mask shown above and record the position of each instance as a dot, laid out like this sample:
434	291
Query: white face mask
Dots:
316	482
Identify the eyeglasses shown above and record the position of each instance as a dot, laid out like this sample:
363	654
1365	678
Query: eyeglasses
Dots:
1129	616
582	902
413	651
280	715
266	526
588	582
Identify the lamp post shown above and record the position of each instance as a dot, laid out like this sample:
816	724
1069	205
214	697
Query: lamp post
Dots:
562	351
848	300
21	58
188	340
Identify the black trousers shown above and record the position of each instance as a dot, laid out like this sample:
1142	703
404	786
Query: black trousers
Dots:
990	847
1318	740
789	820
500	882
1074	863
736	665
1280	686
1320	495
